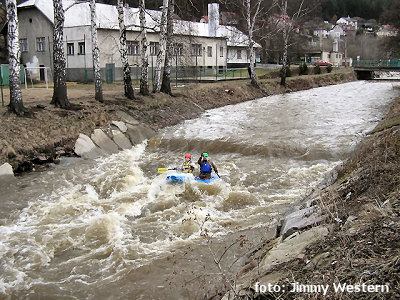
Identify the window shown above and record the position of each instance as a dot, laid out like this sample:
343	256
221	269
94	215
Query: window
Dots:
70	49
196	49
239	54
221	51
40	44
23	45
178	49
154	48
81	48
133	47
209	51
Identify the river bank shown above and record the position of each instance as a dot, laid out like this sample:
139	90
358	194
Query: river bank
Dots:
346	232
30	143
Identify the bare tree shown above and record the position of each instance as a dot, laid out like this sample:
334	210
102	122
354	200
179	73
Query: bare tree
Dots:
144	84
251	21
16	105
60	97
128	89
161	50
95	53
166	80
287	24
252	13
285	36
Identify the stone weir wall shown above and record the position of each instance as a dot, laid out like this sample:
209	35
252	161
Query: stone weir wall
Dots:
107	140
119	135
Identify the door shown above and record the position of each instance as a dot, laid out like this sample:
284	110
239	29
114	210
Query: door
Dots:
110	72
41	73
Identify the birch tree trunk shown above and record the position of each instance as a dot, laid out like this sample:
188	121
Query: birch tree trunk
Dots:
161	52
60	97
285	44
250	30
144	83
128	89
16	105
166	80
95	53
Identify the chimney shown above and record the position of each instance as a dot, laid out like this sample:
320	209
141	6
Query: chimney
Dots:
213	18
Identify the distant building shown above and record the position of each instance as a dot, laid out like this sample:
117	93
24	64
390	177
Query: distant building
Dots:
321	33
336	32
348	23
204	44
325	49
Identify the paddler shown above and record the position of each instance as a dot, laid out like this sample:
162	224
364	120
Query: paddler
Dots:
206	166
188	166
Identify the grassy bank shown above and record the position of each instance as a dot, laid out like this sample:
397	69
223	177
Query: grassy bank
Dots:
52	132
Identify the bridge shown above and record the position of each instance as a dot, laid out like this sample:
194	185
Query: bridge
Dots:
365	69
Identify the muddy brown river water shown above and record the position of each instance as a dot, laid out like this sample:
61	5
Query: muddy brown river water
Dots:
104	229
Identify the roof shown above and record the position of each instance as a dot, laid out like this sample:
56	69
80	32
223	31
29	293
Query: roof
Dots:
78	14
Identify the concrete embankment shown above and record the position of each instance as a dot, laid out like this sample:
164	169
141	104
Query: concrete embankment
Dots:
31	143
345	232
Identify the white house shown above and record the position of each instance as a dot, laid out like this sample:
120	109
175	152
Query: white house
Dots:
321	32
197	45
348	22
336	32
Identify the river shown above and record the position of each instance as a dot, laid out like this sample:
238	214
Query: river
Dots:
74	229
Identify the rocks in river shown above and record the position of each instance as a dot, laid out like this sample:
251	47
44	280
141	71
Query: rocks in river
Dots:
104	142
85	147
121	140
118	136
127	118
291	248
6	170
139	133
300	220
120	125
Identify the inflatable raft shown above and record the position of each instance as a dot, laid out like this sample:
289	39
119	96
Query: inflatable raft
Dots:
178	178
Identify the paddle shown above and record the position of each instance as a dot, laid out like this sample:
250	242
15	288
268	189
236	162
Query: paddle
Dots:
163	170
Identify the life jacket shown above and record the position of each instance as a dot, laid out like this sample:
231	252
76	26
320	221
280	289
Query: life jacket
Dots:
187	167
205	167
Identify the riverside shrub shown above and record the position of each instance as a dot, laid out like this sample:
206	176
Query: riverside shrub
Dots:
317	69
288	72
303	69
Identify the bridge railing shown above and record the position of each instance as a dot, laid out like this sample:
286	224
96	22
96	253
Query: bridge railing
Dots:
376	64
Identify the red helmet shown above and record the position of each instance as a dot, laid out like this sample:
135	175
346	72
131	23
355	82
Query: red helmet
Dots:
188	155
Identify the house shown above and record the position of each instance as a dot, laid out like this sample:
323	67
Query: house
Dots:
321	32
348	23
326	49
196	45
336	32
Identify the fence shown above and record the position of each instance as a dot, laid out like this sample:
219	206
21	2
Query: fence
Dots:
372	64
193	74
